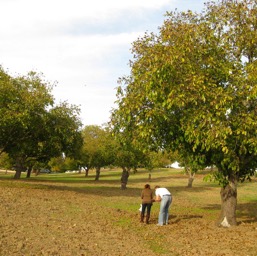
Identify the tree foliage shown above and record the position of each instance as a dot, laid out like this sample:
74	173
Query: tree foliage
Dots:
99	148
5	161
193	88
62	164
32	127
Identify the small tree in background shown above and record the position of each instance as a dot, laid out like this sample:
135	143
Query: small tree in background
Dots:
99	148
128	158
6	162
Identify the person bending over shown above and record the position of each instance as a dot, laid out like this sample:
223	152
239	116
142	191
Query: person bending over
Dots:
163	196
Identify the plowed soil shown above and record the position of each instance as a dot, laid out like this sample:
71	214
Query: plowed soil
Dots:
55	219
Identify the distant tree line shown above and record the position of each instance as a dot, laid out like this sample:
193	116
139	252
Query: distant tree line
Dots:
37	134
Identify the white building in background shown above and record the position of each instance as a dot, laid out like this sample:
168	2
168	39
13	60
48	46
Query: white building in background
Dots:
173	165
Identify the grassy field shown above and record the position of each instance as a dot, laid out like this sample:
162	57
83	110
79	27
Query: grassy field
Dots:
203	198
193	211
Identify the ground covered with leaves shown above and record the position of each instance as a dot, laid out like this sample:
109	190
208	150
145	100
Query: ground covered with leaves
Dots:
47	218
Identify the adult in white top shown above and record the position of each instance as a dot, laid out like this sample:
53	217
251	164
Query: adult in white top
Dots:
164	196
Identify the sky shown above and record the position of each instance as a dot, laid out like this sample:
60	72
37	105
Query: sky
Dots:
81	46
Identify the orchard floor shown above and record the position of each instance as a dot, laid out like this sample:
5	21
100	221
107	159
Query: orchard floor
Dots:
54	219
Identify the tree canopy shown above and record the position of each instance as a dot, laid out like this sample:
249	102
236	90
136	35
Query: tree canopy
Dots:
32	128
193	88
99	148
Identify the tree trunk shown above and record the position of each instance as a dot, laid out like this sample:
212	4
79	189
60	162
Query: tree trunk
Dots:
86	172
190	179
17	174
19	167
228	205
191	176
124	178
97	173
29	171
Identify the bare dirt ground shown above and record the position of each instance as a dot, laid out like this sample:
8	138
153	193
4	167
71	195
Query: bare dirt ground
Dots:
56	220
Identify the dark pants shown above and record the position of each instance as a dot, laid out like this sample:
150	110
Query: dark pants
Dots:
148	207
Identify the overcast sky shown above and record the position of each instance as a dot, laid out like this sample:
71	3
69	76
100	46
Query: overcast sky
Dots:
83	45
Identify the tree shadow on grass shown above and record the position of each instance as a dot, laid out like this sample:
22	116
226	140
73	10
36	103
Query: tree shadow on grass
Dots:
174	219
109	189
176	190
106	187
95	189
245	212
